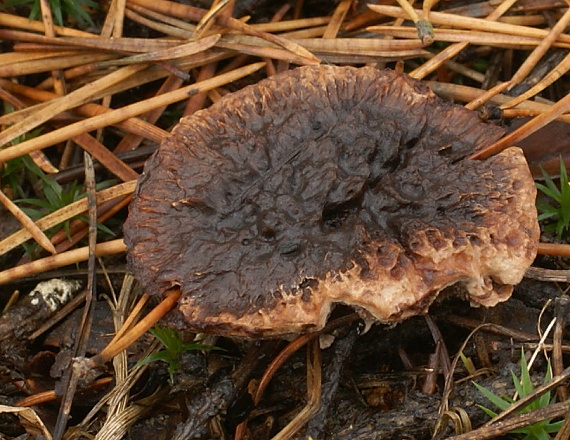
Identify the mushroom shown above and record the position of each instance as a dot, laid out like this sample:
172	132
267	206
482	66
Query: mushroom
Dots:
327	185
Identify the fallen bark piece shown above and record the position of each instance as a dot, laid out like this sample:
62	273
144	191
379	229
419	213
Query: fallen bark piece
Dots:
327	185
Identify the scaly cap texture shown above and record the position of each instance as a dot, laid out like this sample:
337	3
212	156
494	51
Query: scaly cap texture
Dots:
327	185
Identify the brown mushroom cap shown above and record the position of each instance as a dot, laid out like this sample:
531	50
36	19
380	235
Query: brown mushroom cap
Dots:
328	185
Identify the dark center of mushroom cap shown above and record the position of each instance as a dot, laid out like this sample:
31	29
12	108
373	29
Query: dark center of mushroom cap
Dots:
322	185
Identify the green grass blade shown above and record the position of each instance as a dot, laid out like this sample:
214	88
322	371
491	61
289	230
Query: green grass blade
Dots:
499	402
553	193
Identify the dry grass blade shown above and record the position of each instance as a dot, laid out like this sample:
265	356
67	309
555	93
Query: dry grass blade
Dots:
21	114
541	49
13	21
27	223
300	51
479	24
74	256
120	420
485	97
277	362
559	249
527	129
29	417
337	18
270	68
122	388
436	61
314	379
263	52
119	45
60	315
207	21
564	433
119	415
463	70
132	318
409	10
105	157
38	157
113	24
71	100
78	230
454	49
42	161
64	214
561	69
350	46
188	12
361	50
166	29
183	50
51	395
131	141
456	415
561	310
291	25
49	61
473	37
131	125
47	18
10	99
59	83
130	336
123	113
197	101
179	69
158	18
358	46
466	94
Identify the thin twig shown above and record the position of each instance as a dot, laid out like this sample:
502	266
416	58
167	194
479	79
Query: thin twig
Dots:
71	377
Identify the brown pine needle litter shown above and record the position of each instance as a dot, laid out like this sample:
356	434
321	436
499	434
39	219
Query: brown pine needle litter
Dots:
115	89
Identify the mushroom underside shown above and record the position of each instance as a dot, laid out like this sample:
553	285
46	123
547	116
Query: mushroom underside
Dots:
328	185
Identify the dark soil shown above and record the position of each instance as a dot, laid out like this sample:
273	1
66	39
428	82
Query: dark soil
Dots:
381	385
